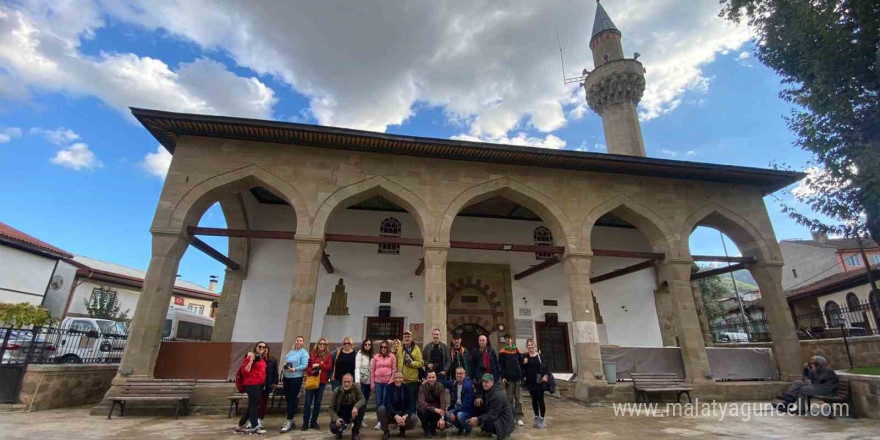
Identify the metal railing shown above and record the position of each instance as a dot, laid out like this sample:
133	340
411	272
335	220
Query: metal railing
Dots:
863	320
42	345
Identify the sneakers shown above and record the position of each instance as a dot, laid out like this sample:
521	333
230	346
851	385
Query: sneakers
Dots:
378	426
520	422
258	430
240	430
535	423
260	423
355	435
541	423
288	426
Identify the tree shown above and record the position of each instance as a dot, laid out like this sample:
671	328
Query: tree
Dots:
23	315
713	290
828	54
104	304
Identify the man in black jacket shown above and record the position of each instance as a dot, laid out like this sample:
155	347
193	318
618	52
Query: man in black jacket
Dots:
484	360
510	360
820	381
498	418
394	411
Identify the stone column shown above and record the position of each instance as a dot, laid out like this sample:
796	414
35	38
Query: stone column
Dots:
302	296
665	315
701	312
435	291
583	319
786	347
228	305
677	274
145	335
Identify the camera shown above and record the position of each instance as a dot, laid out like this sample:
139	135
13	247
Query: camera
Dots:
288	365
257	358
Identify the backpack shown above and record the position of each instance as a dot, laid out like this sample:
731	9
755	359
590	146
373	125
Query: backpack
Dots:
239	380
550	385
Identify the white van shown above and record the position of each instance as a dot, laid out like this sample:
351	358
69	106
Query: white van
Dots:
89	340
185	325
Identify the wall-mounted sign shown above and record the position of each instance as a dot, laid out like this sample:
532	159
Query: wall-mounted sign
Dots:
525	312
178	301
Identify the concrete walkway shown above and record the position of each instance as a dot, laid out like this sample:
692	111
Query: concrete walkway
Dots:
565	420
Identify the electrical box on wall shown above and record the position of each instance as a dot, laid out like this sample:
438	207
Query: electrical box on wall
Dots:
384	311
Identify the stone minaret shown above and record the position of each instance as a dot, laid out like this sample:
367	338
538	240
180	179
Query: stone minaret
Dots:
615	87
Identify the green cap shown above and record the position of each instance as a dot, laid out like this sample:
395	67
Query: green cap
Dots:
489	376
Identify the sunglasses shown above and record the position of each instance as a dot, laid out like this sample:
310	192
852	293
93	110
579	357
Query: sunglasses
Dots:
384	347
261	346
346	343
321	343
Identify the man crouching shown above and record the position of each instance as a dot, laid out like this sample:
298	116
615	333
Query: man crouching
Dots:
498	418
347	407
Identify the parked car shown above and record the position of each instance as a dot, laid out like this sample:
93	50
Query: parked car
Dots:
182	324
90	339
18	346
733	337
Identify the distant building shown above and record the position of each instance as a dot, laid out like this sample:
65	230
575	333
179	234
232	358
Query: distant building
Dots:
809	261
39	273
843	299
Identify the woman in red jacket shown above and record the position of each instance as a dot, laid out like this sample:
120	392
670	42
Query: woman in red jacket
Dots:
253	371
319	365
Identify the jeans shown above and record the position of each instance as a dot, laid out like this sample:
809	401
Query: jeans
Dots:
365	388
381	390
461	420
413	388
253	393
291	394
310	414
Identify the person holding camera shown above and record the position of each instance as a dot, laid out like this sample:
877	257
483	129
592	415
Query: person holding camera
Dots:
253	373
410	361
295	364
319	366
271	380
819	380
347	406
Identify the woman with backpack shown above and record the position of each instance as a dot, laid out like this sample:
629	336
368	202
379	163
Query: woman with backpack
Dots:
317	376
537	376
269	387
251	376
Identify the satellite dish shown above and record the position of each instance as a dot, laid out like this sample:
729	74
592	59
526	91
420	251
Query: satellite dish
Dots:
57	282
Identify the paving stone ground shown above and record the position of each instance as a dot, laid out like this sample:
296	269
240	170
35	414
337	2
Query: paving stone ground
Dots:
565	420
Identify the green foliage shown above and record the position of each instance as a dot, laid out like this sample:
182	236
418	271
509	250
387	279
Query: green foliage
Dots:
104	304
23	315
828	55
713	290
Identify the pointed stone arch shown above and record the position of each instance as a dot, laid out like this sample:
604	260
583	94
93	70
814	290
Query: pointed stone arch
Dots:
190	208
375	186
649	223
546	208
745	235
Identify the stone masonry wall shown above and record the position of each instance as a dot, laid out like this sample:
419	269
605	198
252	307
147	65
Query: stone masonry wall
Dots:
59	386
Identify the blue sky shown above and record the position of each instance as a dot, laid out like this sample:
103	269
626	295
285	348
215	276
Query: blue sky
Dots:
84	176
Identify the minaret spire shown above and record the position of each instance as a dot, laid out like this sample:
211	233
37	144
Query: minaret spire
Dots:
615	87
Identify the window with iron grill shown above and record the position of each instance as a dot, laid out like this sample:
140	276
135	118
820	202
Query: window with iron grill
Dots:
384	328
543	237
390	227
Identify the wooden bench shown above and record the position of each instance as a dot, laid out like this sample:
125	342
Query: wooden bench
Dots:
646	383
154	390
841	395
234	401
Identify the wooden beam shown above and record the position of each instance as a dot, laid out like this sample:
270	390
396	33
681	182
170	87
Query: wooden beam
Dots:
213	253
724	259
345	238
621	272
506	247
628	254
247	233
718	271
325	261
537	268
421	267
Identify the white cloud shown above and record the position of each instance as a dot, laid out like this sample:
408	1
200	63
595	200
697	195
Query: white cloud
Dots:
492	66
77	157
690	153
6	134
550	141
58	136
39	50
668	152
743	55
157	163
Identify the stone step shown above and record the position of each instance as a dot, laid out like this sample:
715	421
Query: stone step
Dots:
13	407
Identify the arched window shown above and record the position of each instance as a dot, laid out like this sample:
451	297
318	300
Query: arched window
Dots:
833	315
852	302
390	227
543	237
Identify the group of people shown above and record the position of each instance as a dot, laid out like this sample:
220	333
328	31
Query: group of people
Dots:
410	384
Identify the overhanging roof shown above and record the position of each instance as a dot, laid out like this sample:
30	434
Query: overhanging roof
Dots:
168	127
